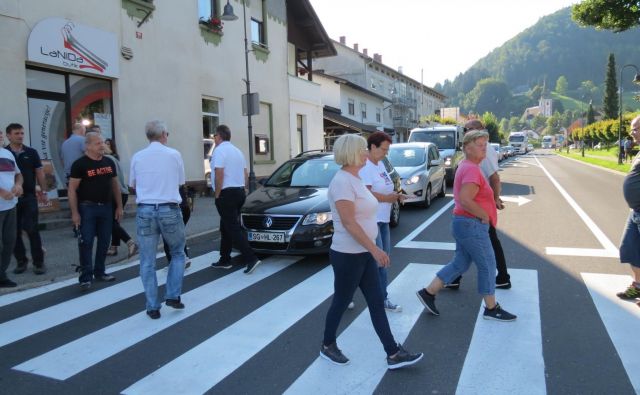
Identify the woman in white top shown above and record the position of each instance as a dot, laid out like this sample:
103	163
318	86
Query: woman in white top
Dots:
354	255
377	179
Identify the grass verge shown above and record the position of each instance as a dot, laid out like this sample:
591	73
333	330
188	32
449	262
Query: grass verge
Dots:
602	161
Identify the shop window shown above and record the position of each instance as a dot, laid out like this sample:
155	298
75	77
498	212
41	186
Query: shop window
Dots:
210	117
91	103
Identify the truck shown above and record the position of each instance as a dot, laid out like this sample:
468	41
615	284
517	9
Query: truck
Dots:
448	139
549	141
519	140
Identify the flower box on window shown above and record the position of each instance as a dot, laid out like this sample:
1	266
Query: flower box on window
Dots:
212	24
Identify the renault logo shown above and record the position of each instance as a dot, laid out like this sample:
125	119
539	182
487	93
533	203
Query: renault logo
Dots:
268	222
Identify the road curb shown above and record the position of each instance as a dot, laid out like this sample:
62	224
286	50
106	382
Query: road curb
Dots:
594	166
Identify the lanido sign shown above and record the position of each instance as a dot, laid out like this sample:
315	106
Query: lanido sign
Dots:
64	43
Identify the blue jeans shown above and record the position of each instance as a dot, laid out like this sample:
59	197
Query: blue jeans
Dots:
153	221
472	244
95	221
383	241
630	243
350	272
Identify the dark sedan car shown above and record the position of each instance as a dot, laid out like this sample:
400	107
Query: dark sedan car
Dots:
290	214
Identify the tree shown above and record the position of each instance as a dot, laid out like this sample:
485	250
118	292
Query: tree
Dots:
562	85
514	124
611	90
538	121
591	115
554	123
491	124
489	94
616	15
588	89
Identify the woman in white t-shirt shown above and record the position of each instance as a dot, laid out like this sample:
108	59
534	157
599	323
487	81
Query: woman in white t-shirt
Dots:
354	255
377	179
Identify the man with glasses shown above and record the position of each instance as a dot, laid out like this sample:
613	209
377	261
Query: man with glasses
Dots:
630	244
230	169
489	167
157	172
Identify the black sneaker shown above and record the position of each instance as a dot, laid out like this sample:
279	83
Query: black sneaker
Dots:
21	267
630	293
39	269
498	314
429	301
85	285
6	283
222	264
252	266
503	284
403	358
333	354
105	278
454	285
153	314
175	303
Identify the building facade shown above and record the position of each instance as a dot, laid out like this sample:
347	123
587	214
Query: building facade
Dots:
121	63
409	99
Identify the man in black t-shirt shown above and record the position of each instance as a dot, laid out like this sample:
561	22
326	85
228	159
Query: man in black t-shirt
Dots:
93	183
30	166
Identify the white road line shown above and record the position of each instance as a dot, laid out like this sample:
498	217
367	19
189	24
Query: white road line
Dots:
621	319
41	320
610	250
30	293
506	357
404	243
361	345
205	365
72	358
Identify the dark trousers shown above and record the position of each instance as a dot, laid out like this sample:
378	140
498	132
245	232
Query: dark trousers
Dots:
231	234
186	214
501	263
117	232
352	271
7	239
27	221
95	221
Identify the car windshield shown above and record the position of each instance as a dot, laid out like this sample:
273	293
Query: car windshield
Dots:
517	139
546	138
406	157
443	139
309	173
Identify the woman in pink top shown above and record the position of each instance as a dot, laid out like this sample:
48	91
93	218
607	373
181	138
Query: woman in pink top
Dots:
474	210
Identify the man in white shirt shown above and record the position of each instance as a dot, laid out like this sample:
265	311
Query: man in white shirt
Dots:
10	190
489	167
156	174
230	169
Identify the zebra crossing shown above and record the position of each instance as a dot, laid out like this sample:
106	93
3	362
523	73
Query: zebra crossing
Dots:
201	367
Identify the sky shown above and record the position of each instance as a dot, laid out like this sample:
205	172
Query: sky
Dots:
441	37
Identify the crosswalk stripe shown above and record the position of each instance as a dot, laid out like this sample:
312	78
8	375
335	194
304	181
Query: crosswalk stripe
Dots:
44	319
72	358
621	318
404	243
521	368
211	361
368	364
32	292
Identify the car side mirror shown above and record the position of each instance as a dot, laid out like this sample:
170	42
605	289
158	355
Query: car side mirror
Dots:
435	162
262	181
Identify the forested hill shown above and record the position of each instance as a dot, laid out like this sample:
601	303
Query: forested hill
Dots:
555	46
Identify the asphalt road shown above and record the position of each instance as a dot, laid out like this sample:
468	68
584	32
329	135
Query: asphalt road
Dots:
261	333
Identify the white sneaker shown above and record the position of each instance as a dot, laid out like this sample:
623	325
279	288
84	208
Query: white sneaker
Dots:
351	305
392	307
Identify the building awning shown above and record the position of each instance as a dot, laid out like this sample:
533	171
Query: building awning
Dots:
345	123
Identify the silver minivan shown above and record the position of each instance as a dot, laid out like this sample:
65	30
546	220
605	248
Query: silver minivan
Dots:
421	171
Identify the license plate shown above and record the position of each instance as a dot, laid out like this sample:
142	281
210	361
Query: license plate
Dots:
266	237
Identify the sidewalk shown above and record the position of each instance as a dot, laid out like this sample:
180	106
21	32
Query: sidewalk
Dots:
62	247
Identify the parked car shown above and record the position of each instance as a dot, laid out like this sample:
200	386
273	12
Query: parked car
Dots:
511	150
530	147
448	139
421	171
290	213
208	145
496	147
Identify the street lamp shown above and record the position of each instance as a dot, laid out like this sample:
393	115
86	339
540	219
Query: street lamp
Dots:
636	80
228	15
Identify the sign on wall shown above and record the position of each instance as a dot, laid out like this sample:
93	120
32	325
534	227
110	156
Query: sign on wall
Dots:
63	43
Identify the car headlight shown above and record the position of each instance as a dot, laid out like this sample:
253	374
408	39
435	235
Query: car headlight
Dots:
413	180
317	218
447	161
